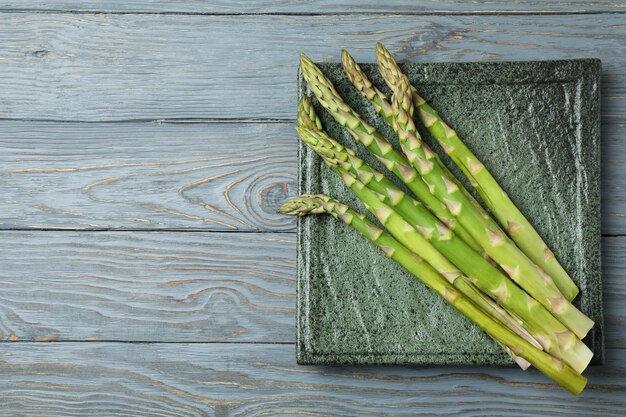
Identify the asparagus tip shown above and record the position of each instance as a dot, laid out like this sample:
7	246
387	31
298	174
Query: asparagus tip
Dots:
304	204
381	51
304	105
303	132
305	60
304	100
347	60
298	206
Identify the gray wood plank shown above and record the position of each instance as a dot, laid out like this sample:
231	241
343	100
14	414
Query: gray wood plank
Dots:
142	286
122	379
215	176
325	6
119	67
179	287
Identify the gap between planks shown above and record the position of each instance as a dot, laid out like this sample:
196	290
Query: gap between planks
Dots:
160	121
313	14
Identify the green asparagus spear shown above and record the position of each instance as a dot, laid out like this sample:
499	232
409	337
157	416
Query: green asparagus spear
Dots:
482	227
414	226
555	369
363	132
498	201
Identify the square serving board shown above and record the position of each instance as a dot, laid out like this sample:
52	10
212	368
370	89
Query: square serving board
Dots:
536	126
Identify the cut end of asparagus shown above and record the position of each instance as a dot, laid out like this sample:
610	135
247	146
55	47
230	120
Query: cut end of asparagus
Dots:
578	388
575	384
576	321
521	362
567	287
578	356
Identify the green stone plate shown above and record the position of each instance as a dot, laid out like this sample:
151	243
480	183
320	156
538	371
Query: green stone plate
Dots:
536	126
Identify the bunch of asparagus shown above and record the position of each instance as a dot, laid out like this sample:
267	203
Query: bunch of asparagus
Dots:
496	271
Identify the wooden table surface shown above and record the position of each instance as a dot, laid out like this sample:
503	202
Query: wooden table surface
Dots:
144	148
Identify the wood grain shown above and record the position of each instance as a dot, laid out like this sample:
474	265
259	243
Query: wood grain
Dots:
324	6
228	287
179	287
147	67
142	286
214	176
120	67
146	175
122	379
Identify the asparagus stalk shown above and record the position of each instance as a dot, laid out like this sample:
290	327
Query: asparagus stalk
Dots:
496	199
415	227
482	227
366	134
555	369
